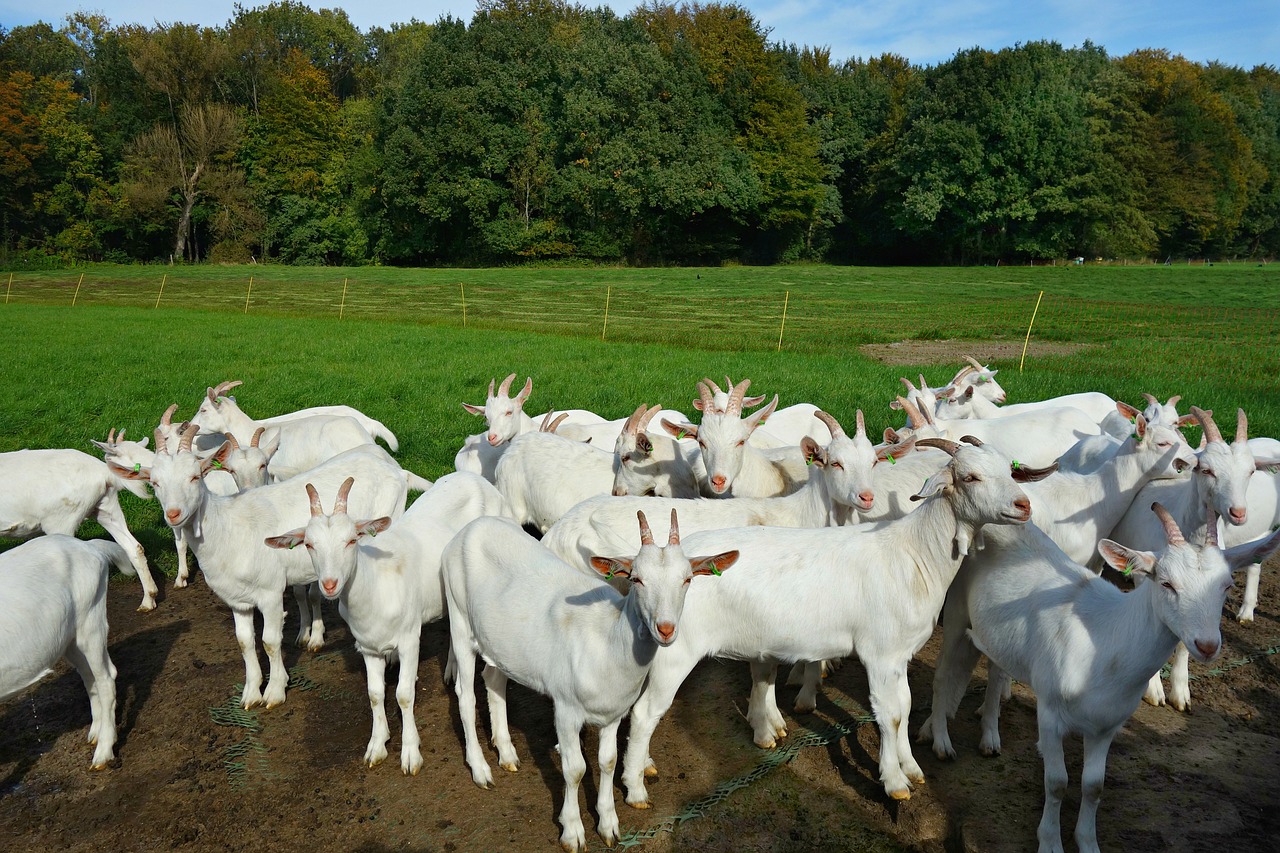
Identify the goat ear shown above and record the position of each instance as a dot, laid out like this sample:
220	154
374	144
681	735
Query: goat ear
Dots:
812	453
1125	409
643	443
292	539
1243	556
939	482
896	450
1186	421
137	472
680	430
946	393
1126	560
613	567
374	527
896	405
475	410
270	446
1269	465
713	565
217	459
1140	427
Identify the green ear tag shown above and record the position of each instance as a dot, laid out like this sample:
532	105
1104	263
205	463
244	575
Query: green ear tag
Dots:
808	460
137	467
608	575
1127	570
292	545
372	533
680	434
217	464
1016	465
891	459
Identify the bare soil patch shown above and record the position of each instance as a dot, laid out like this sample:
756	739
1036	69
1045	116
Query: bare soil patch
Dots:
196	774
917	351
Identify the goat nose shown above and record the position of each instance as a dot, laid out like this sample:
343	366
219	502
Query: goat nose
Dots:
329	586
172	514
493	439
1237	514
1207	648
717	482
1024	505
868	498
619	492
667	630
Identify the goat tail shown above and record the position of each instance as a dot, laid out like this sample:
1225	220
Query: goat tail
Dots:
419	484
114	555
379	430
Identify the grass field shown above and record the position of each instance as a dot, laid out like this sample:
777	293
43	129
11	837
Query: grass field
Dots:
401	353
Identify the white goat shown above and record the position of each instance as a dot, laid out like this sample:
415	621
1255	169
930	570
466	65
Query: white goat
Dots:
1086	648
54	491
53	605
782	428
227	534
1263	500
871	589
388	589
652	464
1219	481
568	636
543	475
299	445
373	426
735	467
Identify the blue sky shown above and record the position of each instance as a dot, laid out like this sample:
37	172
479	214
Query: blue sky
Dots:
1236	32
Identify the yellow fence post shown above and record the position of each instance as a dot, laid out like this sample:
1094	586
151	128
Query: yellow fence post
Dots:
77	295
161	293
343	306
1032	323
6	293
607	293
247	295
463	288
783	327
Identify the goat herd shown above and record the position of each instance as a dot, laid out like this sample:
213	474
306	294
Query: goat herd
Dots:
788	540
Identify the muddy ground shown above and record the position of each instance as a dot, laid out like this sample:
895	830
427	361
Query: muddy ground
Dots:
196	774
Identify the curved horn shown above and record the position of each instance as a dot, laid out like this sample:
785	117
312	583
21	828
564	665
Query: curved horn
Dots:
833	424
167	418
945	444
316	509
340	505
1242	427
1150	398
911	389
646	535
161	447
646	417
735	397
976	366
674	537
491	387
632	426
187	434
257	436
235	445
111	436
120	437
1211	431
224	387
970	439
505	388
705	402
1171	531
913	414
1173	401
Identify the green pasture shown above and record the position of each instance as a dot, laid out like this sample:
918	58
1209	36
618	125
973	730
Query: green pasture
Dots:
400	351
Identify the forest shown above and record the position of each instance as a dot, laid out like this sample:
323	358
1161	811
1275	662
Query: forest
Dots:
542	130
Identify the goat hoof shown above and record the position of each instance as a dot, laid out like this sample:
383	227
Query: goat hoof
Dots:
644	804
146	608
901	794
651	770
510	766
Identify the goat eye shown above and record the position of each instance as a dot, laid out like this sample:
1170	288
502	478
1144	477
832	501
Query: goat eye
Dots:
1208	472
740	443
971	478
196	477
839	465
350	543
686	581
637	582
308	546
1169	587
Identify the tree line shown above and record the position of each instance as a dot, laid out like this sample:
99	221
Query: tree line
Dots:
675	134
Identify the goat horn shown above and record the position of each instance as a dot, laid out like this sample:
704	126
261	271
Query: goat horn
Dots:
555	425
646	535
224	387
257	436
1242	427
715	389
505	388
832	423
945	444
1150	398
646	417
1173	401
735	397
316	508
235	445
340	505
913	414
111	436
969	439
120	437
167	418
161	447
1211	431
632	426
911	389
704	396
187	434
1171	531
674	537
491	387
976	366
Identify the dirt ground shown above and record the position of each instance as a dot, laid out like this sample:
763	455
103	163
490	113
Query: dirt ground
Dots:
917	351
194	773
